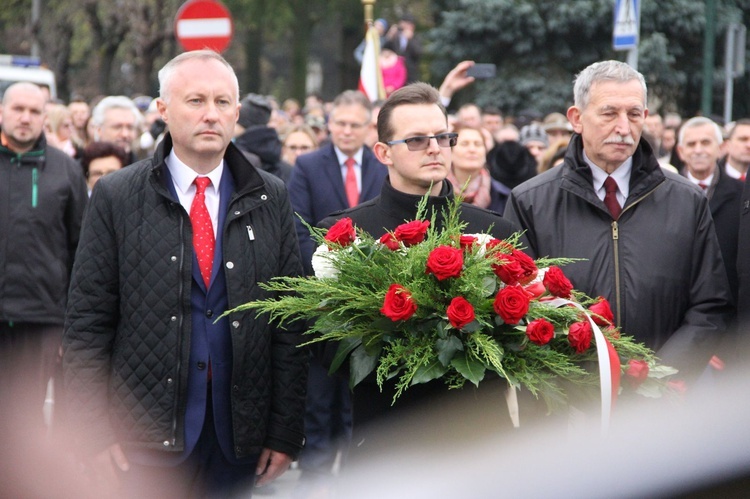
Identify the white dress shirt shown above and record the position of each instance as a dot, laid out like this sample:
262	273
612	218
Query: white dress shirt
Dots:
357	165
184	177
621	175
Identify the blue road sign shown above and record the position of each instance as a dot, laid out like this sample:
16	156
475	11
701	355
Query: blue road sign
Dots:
627	24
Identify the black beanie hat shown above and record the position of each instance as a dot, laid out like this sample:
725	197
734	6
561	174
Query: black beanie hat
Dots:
511	163
255	110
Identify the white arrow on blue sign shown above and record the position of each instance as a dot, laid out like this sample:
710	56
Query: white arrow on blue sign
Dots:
627	24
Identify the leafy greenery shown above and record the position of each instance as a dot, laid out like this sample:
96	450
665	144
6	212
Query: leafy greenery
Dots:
345	308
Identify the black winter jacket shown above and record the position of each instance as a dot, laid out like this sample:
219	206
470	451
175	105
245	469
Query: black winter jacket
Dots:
42	200
264	142
392	208
659	264
129	314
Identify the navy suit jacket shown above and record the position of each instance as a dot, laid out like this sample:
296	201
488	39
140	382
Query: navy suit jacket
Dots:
316	189
212	340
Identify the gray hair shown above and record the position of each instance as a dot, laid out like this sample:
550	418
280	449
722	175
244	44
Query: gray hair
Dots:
167	72
353	98
604	71
700	121
114	102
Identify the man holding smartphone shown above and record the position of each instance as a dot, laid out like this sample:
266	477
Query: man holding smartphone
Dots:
408	45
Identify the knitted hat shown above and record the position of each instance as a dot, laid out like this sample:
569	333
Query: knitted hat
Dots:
315	122
533	133
383	22
511	163
255	110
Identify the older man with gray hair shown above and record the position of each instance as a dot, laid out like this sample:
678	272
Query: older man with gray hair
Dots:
117	119
645	237
699	146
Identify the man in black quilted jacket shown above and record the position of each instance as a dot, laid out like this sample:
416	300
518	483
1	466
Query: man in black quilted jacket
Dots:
169	399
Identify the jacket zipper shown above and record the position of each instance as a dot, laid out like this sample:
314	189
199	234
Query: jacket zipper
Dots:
180	324
616	249
34	187
615	238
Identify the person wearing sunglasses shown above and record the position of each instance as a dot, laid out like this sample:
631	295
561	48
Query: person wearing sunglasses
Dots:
416	146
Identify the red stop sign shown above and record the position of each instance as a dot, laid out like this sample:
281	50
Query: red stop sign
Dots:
203	24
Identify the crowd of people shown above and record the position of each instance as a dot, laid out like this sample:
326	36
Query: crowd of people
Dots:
129	226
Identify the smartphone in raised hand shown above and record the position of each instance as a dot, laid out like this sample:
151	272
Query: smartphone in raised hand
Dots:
482	71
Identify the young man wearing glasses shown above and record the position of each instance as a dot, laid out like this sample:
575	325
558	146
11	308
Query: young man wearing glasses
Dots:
415	144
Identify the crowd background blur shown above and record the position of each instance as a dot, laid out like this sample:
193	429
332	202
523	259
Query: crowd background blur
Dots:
510	127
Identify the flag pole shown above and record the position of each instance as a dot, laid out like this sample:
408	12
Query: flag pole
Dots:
369	6
370	34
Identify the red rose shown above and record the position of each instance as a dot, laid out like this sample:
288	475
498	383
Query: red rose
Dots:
460	312
511	304
342	232
398	304
540	331
637	371
556	282
535	290
389	241
467	242
413	232
579	336
602	312
527	264
504	246
507	268
444	262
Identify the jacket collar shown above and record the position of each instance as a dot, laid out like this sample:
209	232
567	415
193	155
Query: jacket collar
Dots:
404	205
644	177
246	177
34	157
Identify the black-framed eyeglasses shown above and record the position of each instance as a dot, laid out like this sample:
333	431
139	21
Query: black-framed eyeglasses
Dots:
422	142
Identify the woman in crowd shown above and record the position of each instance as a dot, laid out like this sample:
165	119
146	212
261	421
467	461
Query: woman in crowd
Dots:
102	158
299	139
469	171
393	68
59	129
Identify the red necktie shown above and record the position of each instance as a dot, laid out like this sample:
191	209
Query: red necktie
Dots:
203	231
703	186
352	191
610	198
742	177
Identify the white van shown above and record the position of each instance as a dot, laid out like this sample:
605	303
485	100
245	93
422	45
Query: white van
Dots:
15	68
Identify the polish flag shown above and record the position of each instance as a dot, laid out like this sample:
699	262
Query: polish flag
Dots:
370	77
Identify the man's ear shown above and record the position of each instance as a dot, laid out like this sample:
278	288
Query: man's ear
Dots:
161	106
574	116
383	153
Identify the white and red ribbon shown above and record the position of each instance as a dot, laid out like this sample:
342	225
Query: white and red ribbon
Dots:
609	370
